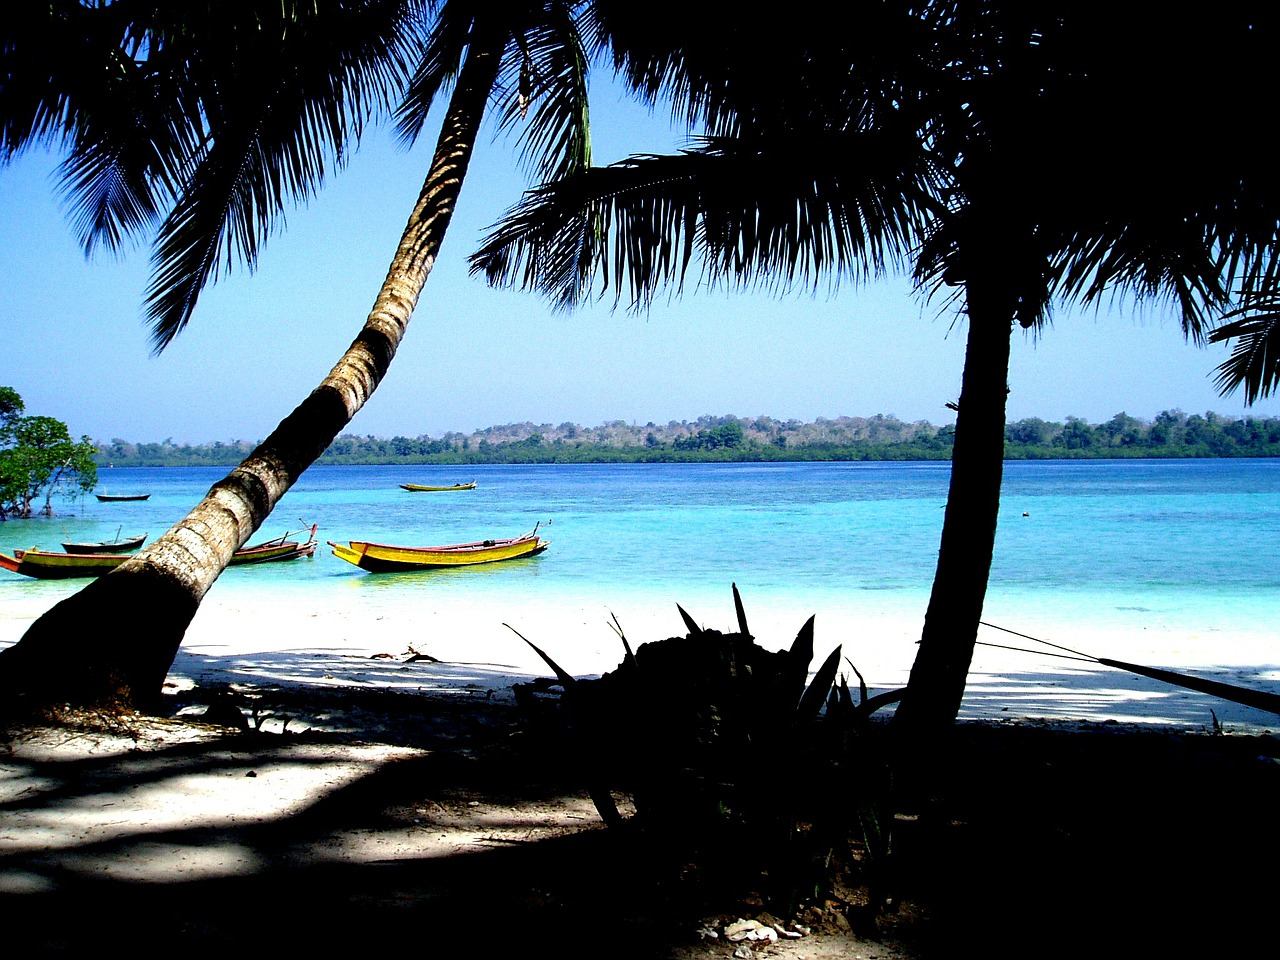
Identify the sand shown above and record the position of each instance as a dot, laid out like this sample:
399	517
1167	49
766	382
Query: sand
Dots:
386	788
356	636
370	646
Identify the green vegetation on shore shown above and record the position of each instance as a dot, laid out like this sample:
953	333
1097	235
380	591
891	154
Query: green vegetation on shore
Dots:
1172	434
39	458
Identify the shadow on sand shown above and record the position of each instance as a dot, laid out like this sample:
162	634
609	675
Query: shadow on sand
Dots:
1041	842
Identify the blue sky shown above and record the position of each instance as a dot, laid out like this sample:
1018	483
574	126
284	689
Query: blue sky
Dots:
76	347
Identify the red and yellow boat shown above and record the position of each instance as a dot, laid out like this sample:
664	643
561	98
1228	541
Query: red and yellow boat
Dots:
48	565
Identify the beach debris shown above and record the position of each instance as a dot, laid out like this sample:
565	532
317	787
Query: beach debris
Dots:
262	715
745	931
409	656
741	930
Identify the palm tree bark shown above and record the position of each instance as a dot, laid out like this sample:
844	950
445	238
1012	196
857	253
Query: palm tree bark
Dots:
112	643
937	681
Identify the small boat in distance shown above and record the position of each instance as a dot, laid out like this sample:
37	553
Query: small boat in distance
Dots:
384	558
47	565
120	497
107	546
423	488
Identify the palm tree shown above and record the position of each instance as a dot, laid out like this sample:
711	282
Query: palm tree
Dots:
1057	198
230	110
993	136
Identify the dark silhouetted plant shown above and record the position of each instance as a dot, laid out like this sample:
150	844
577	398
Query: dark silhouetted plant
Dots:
733	756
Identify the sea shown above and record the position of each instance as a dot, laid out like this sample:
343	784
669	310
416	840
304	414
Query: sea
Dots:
1169	563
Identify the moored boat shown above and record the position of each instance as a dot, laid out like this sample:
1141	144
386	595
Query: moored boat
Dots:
47	565
265	553
281	548
118	545
384	558
120	497
424	488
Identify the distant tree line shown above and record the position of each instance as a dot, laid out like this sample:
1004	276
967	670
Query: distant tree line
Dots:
1172	434
121	453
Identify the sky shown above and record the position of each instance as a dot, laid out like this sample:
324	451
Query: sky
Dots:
75	345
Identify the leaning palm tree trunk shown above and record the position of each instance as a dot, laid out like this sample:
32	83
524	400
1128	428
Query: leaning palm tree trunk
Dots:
113	642
950	633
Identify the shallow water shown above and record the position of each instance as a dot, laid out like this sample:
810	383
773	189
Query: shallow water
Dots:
1171	562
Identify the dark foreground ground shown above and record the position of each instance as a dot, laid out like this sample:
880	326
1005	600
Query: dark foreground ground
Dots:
1042	842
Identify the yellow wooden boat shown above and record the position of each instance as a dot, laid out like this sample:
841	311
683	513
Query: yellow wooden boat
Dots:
384	558
47	565
423	488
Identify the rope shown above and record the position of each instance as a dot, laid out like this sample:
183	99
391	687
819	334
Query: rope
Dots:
1061	656
1260	699
1026	636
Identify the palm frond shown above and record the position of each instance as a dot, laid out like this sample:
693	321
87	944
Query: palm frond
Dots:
543	71
548	79
1254	365
129	147
1149	258
278	119
37	91
114	98
724	73
115	187
259	97
840	204
449	36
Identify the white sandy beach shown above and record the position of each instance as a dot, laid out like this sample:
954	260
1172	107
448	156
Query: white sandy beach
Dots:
248	640
291	643
477	651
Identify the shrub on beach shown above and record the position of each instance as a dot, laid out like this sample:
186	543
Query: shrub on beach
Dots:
729	754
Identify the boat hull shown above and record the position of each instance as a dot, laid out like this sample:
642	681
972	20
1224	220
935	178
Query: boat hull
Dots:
384	558
106	546
423	488
289	550
46	565
121	497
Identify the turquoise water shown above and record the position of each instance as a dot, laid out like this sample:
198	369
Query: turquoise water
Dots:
1166	563
1192	546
